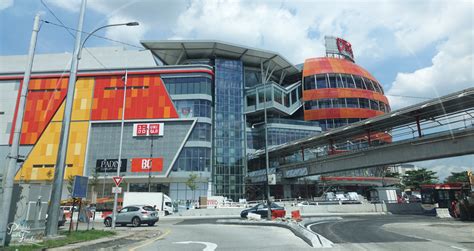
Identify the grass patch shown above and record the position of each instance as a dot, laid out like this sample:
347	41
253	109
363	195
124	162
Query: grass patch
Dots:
73	237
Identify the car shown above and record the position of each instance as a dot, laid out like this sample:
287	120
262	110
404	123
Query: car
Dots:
260	209
61	217
135	215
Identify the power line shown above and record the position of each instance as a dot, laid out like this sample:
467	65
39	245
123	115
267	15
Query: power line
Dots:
70	33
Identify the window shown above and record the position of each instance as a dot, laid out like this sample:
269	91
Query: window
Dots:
293	96
352	102
188	85
359	83
348	81
332	81
374	105
339	82
277	94
369	85
339	102
309	83
364	103
251	100
325	103
133	209
321	81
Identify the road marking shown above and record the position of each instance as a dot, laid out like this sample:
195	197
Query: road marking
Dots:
459	248
151	241
209	245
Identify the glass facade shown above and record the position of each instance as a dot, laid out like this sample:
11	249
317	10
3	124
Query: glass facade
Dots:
188	85
229	129
276	136
193	108
320	81
193	159
346	103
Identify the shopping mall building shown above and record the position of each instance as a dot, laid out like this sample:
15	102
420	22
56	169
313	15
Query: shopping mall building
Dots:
190	108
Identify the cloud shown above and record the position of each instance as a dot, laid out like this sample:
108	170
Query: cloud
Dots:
5	4
451	70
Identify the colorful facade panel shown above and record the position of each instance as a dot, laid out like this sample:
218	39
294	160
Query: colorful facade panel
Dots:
8	97
42	159
315	66
337	113
342	93
43	100
146	98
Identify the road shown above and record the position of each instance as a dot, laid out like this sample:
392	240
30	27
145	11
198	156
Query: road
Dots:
204	234
391	232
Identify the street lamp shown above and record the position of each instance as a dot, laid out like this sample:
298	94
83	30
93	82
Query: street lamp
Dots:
102	27
53	209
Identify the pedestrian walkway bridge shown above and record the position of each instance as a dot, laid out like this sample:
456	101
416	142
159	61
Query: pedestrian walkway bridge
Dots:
437	128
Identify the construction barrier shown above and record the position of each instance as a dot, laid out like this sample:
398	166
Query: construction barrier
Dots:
295	215
278	214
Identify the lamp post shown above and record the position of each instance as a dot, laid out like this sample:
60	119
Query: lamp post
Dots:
53	209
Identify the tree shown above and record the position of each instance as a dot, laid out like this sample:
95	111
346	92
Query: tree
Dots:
415	178
191	183
457	177
70	183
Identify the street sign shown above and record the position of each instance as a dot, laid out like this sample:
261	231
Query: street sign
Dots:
79	187
116	190
117	180
271	179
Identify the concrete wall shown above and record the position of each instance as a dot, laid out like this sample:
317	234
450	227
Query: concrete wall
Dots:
405	208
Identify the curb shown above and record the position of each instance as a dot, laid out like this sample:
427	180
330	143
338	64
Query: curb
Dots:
79	245
298	229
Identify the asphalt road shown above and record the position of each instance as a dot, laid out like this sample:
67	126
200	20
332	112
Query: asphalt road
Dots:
204	234
391	232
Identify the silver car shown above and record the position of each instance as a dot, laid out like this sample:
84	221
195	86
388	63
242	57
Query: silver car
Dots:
135	215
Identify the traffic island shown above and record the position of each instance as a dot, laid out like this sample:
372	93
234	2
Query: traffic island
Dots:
298	229
66	240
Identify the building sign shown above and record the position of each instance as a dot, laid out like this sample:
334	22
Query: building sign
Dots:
335	45
110	165
148	129
147	165
344	48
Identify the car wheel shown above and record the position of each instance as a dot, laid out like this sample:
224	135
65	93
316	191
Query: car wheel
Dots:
108	222
136	222
151	224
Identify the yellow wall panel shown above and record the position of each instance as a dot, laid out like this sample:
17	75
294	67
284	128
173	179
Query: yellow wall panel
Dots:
81	108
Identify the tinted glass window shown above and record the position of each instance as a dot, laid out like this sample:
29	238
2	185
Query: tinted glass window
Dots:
321	81
358	82
133	209
309	82
332	81
148	208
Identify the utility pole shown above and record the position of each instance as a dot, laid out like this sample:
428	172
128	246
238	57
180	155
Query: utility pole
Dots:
53	208
10	171
114	212
267	168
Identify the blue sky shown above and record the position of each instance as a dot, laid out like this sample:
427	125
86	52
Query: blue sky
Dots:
414	48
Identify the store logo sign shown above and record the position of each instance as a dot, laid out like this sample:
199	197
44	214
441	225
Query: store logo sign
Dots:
148	129
147	165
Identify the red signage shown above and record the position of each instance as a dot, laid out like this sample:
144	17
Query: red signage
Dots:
148	129
147	165
117	180
344	47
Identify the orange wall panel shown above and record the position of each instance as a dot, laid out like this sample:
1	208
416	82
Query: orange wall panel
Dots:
338	113
342	93
323	65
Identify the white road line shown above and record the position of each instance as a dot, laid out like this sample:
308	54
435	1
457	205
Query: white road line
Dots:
459	248
209	245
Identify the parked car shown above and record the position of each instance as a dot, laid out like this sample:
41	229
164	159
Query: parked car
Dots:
135	215
260	209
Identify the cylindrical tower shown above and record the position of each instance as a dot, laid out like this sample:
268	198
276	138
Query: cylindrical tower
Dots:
337	92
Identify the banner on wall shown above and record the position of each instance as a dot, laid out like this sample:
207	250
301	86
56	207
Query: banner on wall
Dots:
147	165
148	129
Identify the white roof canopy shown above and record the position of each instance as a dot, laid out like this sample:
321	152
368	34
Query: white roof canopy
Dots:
173	52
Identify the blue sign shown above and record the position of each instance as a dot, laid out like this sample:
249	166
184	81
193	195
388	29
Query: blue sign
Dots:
79	187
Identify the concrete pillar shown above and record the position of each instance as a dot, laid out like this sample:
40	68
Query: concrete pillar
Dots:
287	191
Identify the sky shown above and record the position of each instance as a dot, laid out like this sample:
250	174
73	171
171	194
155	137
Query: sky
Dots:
416	49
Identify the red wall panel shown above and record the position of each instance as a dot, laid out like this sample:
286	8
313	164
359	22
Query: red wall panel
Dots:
147	98
314	66
42	102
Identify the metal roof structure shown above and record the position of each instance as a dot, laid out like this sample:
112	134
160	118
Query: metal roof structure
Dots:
172	52
428	110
